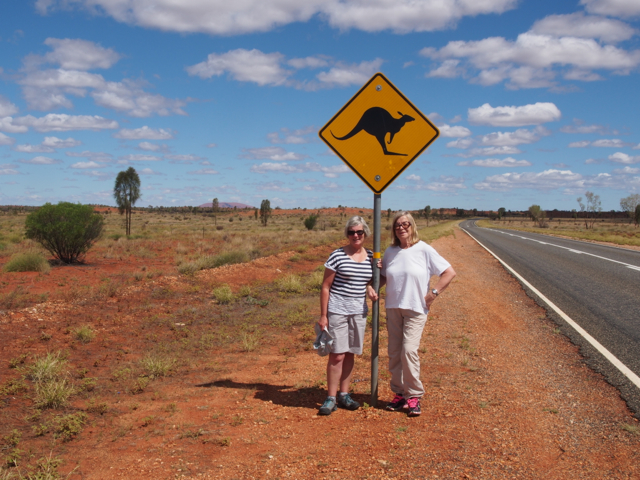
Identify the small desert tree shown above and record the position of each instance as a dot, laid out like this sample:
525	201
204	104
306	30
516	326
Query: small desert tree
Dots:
427	213
537	215
126	191
630	205
501	212
215	205
265	211
66	230
592	208
310	221
636	216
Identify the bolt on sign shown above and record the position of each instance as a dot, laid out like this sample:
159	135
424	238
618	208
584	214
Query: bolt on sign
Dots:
378	133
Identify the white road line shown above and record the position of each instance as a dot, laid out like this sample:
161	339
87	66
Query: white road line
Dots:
622	368
572	250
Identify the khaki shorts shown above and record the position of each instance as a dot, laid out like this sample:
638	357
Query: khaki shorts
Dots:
347	332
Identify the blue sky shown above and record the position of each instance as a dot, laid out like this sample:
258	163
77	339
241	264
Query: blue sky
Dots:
536	102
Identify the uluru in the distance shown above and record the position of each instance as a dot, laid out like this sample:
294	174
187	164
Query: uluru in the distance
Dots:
226	205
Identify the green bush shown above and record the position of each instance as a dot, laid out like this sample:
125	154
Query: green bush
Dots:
27	262
310	221
67	230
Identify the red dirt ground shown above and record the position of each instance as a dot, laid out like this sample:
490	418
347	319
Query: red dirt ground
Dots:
507	396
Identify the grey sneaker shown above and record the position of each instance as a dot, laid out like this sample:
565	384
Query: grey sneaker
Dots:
328	406
345	401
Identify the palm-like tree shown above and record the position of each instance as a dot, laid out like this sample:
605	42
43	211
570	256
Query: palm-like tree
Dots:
127	192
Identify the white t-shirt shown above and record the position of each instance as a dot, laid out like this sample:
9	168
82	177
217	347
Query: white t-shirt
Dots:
408	272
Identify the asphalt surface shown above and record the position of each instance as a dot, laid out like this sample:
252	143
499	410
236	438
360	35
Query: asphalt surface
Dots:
597	286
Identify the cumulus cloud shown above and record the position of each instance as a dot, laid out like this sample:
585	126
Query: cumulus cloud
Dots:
8	125
534	60
613	8
620	157
144	133
276	154
101	157
584	26
40	160
204	171
605	143
273	69
6	140
490	151
283	167
579	127
50	88
323	187
441	184
186	159
86	165
54	122
514	116
6	107
580	144
55	142
518	137
8	169
546	180
138	157
456	131
299	136
26	148
496	163
219	17
275	186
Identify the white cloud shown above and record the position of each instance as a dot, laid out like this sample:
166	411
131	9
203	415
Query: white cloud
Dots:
287	136
85	165
623	158
584	26
129	97
447	69
496	163
323	187
8	170
343	75
26	148
453	132
613	8
7	125
54	122
532	61
101	157
308	62
188	159
532	114
610	143
138	157
491	151
579	127
580	144
6	107
518	137
244	66
627	171
414	178
6	140
276	154
148	171
442	184
204	171
283	167
546	180
75	54
462	143
144	133
275	186
55	142
219	17
40	160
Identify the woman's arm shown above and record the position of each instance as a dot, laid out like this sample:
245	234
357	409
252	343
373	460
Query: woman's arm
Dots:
327	281
443	282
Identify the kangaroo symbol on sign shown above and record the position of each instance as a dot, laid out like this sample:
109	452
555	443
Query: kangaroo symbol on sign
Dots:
378	122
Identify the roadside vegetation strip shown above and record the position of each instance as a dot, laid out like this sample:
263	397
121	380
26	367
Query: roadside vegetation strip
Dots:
622	368
611	232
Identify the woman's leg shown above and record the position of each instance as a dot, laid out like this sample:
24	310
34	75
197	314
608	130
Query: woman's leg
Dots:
394	349
347	372
414	323
334	372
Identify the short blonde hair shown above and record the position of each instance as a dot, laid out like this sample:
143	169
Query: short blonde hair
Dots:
413	237
354	221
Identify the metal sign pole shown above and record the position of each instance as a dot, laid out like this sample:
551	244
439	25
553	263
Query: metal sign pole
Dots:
375	313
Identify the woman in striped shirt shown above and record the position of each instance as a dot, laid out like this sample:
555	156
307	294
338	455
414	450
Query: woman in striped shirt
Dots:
343	311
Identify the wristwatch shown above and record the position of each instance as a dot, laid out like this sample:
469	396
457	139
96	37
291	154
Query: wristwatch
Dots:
435	292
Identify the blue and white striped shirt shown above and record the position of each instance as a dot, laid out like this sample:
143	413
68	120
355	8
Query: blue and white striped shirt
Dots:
347	295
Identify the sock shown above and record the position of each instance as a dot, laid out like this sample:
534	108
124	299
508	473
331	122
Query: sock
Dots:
342	394
331	397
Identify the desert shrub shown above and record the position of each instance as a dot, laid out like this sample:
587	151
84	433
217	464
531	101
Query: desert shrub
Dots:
310	221
27	262
223	294
290	284
157	364
214	261
67	230
85	334
314	281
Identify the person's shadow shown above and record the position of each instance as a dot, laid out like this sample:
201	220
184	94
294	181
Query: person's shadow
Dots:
285	395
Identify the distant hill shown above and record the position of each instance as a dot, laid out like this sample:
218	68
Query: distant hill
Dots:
226	205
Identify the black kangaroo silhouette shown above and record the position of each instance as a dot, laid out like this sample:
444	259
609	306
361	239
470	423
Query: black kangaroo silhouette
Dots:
378	122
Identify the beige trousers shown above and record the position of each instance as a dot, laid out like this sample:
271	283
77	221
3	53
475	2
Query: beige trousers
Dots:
405	331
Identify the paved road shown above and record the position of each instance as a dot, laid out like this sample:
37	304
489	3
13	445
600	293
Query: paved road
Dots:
597	286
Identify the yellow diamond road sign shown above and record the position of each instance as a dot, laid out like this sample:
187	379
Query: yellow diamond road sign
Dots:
378	133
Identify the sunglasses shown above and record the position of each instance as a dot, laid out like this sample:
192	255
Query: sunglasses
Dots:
404	225
355	232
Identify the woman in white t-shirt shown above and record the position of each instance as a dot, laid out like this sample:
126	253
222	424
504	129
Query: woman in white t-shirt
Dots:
407	267
343	311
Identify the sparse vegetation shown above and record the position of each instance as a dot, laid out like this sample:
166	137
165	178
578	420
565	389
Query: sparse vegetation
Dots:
27	262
